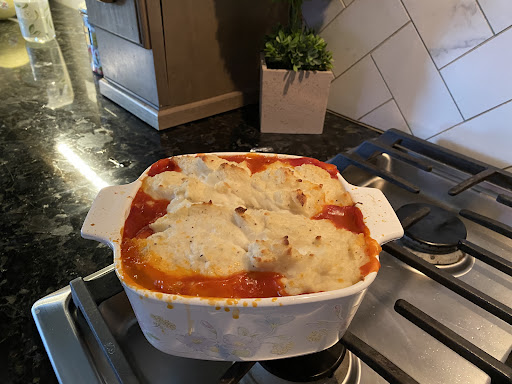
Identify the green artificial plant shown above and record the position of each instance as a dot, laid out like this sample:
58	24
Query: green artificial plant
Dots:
295	47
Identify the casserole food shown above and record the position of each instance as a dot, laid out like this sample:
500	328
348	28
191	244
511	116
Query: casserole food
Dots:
244	328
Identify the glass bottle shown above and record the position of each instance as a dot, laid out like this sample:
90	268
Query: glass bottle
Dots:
35	20
51	73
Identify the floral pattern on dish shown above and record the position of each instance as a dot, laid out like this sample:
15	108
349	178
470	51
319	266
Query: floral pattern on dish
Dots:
162	324
244	344
323	327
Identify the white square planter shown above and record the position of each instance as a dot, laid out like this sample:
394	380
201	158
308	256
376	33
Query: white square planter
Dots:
293	102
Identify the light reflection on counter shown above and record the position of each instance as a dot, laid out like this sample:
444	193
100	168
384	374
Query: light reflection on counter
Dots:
81	166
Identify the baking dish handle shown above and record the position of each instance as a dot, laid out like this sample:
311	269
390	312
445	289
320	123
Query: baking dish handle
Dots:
103	223
380	217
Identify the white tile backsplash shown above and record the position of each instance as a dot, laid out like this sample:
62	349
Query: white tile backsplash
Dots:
449	28
498	12
448	69
487	137
360	28
318	13
358	91
482	79
385	117
416	84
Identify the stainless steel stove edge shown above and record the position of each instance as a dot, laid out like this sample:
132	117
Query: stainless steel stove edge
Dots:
68	355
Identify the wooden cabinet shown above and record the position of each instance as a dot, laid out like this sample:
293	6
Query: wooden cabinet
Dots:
182	60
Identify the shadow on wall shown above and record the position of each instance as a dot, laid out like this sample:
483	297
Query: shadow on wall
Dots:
242	25
347	93
316	12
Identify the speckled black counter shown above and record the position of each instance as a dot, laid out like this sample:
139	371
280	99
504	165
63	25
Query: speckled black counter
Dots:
52	162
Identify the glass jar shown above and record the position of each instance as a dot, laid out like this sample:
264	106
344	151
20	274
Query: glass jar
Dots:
35	20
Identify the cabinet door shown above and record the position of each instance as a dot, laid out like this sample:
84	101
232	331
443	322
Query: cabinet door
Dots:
128	65
124	18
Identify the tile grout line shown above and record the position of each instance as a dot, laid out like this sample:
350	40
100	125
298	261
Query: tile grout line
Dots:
451	95
391	93
334	18
433	62
355	121
305	21
339	13
377	107
485	16
476	47
472	118
372	50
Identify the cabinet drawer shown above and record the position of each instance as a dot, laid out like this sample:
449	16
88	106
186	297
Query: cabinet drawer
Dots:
124	18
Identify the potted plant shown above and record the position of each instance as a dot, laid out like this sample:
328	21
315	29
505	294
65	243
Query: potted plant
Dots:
295	78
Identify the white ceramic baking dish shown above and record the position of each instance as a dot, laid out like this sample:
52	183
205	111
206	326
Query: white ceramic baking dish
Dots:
240	329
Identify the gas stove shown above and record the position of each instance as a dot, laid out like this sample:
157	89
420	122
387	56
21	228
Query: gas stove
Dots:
438	312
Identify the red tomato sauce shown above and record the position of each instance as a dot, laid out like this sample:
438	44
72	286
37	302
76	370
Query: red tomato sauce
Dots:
145	210
163	165
349	217
257	163
240	285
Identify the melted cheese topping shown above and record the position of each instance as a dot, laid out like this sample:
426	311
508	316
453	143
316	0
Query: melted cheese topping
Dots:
222	220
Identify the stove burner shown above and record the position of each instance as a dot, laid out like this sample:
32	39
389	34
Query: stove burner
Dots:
432	233
307	368
437	233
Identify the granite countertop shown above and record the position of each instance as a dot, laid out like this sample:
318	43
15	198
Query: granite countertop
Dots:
60	142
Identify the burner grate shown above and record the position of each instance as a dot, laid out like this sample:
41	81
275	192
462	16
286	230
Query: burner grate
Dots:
487	222
479	171
235	373
486	256
465	290
398	144
376	360
370	149
88	306
343	160
497	371
413	151
504	199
